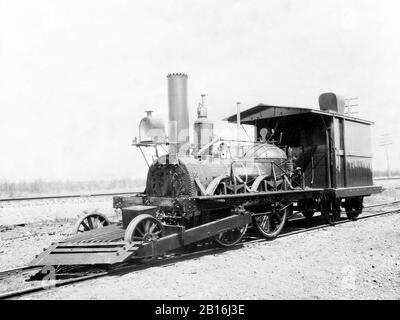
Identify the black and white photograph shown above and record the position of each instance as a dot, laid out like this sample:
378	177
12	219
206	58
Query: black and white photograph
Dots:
199	155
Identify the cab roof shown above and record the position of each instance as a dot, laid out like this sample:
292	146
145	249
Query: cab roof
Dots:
264	111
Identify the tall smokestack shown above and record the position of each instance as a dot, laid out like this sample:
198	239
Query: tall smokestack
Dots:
178	113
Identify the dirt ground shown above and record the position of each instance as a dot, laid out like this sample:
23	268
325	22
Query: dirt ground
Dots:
357	260
26	227
31	211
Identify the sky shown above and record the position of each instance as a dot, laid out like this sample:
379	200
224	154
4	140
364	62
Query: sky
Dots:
76	76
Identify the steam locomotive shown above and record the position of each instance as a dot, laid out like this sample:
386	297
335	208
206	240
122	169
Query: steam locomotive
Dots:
301	160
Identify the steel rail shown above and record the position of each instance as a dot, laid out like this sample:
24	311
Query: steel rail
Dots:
88	195
174	259
24	269
121	269
10	272
381	204
67	196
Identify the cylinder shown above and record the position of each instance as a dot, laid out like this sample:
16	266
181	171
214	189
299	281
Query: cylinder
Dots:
178	113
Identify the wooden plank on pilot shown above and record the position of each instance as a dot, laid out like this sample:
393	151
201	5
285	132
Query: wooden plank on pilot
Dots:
90	233
110	237
79	259
84	250
106	234
80	244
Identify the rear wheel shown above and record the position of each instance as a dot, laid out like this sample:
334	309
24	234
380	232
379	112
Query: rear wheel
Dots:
308	208
353	207
330	210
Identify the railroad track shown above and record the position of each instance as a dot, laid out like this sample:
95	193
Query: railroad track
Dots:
15	271
88	195
65	196
290	229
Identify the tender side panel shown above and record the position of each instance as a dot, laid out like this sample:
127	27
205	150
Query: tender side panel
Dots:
357	144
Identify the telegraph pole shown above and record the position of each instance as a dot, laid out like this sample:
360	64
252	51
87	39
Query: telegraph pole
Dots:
385	141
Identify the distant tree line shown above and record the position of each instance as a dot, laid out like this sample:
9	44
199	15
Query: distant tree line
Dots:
40	187
384	173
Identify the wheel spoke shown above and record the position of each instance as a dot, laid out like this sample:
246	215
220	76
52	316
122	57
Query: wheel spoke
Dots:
142	228
267	224
224	236
152	228
139	231
264	222
85	226
90	222
95	223
147	226
137	238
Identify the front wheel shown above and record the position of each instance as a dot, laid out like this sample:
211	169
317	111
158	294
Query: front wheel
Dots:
144	228
91	221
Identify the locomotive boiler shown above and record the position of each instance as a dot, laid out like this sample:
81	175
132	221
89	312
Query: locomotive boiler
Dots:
301	161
